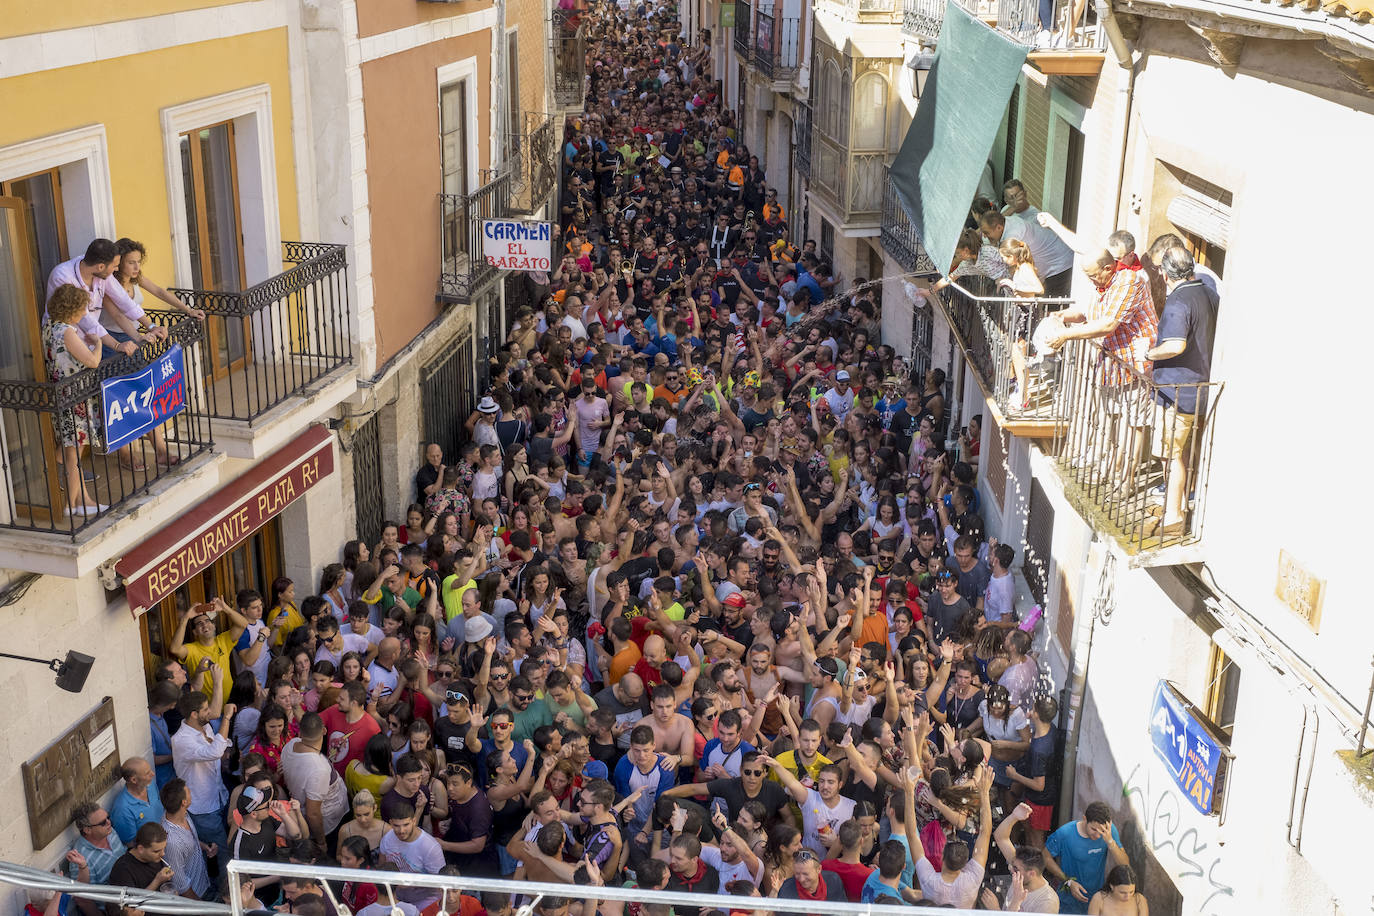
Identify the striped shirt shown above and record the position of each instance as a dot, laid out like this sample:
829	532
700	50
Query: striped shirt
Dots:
1127	300
185	857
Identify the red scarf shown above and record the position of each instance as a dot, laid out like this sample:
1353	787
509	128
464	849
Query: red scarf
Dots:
1130	262
820	894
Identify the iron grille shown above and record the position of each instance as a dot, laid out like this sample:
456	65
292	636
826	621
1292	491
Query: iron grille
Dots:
446	397
367	480
1039	533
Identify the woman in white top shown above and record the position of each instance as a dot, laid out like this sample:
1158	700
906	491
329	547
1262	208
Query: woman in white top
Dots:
1006	728
1024	283
129	273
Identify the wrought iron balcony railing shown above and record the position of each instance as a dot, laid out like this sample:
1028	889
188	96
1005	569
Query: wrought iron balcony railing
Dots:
922	18
531	159
39	486
899	237
277	338
569	59
776	46
1134	455
1019	19
995	330
744	31
463	270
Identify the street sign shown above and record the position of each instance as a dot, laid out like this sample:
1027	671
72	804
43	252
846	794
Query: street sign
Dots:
1185	745
137	404
517	245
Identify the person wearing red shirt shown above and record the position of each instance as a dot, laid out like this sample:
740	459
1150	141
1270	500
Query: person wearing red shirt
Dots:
649	667
349	725
852	872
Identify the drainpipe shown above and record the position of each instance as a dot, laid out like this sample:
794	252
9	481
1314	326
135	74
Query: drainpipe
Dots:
1073	694
1125	95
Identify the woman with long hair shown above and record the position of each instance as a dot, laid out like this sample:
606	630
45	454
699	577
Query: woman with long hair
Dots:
332	582
507	786
784	841
369	772
274	730
354	553
355	851
283	606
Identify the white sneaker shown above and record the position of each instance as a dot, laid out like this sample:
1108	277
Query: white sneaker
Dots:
87	511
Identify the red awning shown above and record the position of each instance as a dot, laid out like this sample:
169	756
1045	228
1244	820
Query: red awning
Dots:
161	564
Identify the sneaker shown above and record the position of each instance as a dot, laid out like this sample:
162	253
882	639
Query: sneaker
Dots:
87	511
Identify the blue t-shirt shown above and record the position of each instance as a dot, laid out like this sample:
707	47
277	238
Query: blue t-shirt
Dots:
1190	314
1080	858
517	753
875	888
909	869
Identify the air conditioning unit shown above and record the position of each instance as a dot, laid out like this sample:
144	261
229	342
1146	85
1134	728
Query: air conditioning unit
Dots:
763	98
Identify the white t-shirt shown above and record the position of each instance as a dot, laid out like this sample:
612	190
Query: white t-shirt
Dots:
259	667
963	893
737	872
373	634
421	856
352	642
1000	598
377	675
817	814
310	776
997	730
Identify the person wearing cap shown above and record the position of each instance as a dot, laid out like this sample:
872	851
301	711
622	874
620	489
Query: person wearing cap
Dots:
840	397
891	403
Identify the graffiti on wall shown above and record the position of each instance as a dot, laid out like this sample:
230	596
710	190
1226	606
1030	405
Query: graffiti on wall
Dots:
1163	816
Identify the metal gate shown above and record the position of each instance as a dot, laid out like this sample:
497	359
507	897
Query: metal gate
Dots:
446	397
1039	530
367	480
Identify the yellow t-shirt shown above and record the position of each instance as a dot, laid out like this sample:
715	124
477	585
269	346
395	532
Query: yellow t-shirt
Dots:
293	619
219	652
788	761
452	597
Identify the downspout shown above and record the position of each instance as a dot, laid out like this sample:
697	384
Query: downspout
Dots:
1125	94
1072	696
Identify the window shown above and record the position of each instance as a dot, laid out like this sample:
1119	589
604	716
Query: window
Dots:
830	97
209	175
827	245
870	112
32	242
453	134
1223	691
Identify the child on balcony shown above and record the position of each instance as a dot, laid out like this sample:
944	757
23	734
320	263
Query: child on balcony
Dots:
1024	283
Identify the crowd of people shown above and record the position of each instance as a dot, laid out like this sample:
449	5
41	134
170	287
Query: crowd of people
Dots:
703	604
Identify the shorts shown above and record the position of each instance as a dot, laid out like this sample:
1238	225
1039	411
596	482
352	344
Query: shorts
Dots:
1173	430
1131	403
1042	817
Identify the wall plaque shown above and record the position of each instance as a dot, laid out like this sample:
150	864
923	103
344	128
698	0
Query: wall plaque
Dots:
79	766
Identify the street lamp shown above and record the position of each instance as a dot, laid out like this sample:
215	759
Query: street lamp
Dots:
71	672
920	64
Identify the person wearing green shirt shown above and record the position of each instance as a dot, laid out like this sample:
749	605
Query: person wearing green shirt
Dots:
528	711
567	702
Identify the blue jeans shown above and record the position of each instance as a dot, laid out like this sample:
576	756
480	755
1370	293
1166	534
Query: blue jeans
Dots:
211	829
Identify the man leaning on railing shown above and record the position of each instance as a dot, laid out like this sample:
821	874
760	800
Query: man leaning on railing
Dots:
1182	367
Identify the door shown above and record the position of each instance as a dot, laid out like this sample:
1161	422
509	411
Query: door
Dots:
253	564
1073	177
30	449
215	237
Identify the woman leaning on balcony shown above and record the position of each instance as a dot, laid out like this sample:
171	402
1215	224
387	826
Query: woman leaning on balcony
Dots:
80	426
130	275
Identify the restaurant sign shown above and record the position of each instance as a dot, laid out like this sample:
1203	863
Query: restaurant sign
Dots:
160	565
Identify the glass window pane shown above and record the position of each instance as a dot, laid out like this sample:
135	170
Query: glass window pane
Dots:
870	112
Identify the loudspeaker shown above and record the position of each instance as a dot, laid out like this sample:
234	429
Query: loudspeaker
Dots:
74	671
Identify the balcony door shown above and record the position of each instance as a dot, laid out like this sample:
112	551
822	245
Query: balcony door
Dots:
32	242
214	228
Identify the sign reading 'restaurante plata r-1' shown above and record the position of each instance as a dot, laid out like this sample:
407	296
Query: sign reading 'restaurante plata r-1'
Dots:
516	245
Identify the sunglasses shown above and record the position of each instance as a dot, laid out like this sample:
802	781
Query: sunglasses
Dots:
751	772
805	855
522	697
503	725
500	677
444	673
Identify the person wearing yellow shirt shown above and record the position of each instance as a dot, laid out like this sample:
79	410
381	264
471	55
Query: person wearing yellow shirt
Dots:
206	646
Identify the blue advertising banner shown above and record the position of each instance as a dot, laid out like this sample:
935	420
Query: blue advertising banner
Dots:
135	404
1185	746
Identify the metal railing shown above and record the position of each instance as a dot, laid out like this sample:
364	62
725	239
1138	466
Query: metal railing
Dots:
531	159
463	269
744	31
278	337
899	236
1129	460
569	59
1020	19
869	11
35	417
775	46
996	330
923	18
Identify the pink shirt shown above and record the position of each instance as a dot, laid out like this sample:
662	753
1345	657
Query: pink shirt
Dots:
97	292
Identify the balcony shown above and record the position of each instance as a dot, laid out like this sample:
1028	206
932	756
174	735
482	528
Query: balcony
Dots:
876	12
463	271
35	480
1056	48
1112	454
569	59
988	326
775	48
531	158
744	28
899	237
849	182
280	338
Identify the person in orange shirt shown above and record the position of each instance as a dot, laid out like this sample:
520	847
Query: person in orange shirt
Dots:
771	206
672	390
455	902
626	650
